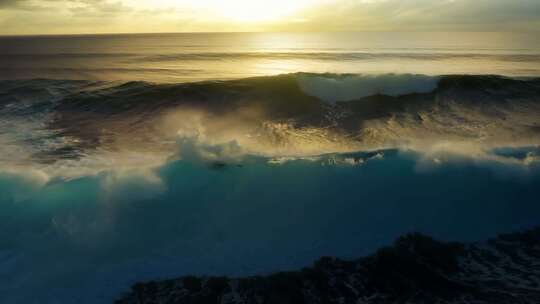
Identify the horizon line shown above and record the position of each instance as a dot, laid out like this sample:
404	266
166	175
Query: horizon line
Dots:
254	32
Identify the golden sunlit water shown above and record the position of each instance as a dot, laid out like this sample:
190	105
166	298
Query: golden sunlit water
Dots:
191	57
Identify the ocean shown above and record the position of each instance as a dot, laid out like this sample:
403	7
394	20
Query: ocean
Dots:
130	158
193	57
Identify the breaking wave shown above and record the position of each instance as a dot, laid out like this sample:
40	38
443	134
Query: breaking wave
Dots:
103	184
53	122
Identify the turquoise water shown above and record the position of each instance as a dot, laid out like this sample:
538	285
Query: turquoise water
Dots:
89	238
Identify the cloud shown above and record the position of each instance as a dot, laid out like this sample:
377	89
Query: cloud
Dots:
427	15
70	16
7	3
92	8
49	5
18	5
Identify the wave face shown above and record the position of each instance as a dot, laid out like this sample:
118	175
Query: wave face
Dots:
104	183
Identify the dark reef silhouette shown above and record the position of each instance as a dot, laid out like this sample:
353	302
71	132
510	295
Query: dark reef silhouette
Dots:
415	269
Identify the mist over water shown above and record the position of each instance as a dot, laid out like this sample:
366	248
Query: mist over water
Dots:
117	166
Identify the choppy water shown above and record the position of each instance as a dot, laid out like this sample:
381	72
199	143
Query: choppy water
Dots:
117	166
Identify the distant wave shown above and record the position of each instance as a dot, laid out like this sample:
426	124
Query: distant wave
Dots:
210	64
340	56
327	55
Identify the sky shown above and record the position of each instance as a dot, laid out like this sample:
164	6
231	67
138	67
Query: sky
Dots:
146	16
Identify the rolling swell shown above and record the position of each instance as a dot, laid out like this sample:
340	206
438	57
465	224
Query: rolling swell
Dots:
286	96
333	55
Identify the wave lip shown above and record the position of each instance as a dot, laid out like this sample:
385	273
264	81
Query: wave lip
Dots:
334	88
